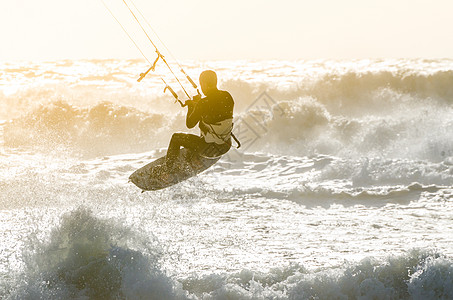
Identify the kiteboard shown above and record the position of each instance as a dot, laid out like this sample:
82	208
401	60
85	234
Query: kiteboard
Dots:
155	175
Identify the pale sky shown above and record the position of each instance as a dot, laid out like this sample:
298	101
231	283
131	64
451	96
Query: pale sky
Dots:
234	29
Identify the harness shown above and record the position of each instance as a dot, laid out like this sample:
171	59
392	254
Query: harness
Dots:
219	133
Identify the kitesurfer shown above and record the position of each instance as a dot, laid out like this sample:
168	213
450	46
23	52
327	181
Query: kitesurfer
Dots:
214	116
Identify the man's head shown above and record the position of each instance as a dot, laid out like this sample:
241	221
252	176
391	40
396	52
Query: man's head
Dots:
208	81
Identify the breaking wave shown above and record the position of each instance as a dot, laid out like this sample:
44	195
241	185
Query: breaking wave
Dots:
100	130
413	276
397	110
90	258
300	127
404	128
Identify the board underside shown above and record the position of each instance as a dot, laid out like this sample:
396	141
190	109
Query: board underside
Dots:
155	175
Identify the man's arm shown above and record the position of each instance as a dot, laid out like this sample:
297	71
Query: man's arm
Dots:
193	114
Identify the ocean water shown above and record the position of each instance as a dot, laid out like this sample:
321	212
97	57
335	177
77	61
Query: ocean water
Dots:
342	189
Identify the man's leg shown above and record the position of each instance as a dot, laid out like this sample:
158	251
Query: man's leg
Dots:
178	140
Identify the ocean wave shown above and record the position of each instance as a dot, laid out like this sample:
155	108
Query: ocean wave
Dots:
409	130
397	109
417	275
342	86
99	130
91	258
350	89
86	257
324	180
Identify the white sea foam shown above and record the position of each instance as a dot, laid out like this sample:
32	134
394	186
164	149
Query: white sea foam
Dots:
342	188
89	258
363	108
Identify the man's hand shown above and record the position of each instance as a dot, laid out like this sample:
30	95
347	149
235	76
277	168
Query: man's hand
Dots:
194	100
190	103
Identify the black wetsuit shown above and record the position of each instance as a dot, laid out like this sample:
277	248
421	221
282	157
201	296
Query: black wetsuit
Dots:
215	107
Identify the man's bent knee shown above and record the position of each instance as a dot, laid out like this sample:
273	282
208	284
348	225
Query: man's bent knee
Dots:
178	136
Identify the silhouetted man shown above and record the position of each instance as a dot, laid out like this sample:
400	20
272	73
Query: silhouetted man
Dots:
214	116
